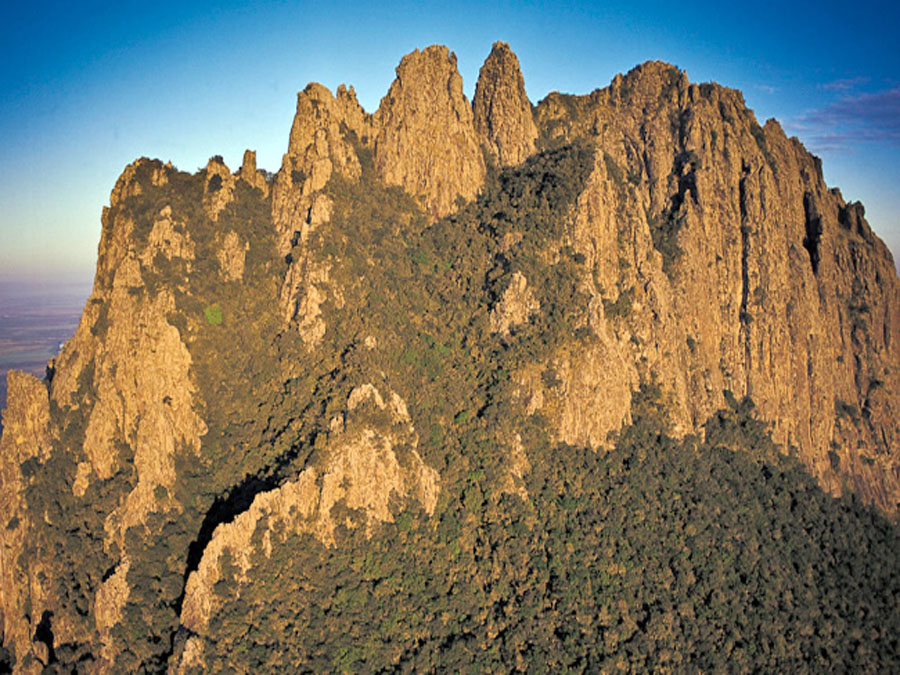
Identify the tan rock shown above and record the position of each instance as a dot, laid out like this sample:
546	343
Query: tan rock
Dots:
250	174
362	471
108	605
515	306
321	143
219	189
167	239
503	117
318	146
426	141
127	184
26	435
126	372
746	273
232	255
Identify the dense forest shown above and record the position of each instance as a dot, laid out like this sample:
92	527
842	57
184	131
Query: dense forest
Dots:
659	555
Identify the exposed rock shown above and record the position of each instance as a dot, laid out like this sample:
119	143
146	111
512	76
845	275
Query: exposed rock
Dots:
426	141
318	146
166	239
713	256
503	117
250	174
518	467
138	368
742	272
219	189
321	143
127	184
515	306
26	436
108	605
191	657
308	312
232	256
362	471
125	375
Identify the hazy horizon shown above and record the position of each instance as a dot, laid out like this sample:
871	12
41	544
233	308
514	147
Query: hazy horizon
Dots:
35	317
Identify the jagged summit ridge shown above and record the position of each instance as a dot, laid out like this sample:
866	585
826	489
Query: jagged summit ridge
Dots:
426	141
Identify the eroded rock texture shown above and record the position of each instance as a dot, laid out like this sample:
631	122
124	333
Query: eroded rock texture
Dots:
503	116
426	141
723	262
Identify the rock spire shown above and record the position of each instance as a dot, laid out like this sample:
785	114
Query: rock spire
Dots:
426	141
503	117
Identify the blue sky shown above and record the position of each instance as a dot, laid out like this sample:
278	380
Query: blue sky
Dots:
88	87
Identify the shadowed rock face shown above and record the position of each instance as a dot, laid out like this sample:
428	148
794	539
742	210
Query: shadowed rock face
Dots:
712	258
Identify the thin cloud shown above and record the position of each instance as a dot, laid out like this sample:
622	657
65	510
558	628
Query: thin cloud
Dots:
865	118
767	88
844	84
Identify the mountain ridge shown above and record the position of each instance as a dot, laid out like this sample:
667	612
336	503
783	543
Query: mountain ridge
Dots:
256	350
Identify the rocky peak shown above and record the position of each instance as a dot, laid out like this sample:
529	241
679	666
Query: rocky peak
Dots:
219	188
503	117
317	140
183	427
317	148
128	184
426	141
352	113
650	84
249	173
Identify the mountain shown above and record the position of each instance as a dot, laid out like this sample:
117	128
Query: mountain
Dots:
607	382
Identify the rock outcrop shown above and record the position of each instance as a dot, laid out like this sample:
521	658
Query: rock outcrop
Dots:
723	262
426	141
219	189
503	117
249	173
515	306
318	147
26	438
363	471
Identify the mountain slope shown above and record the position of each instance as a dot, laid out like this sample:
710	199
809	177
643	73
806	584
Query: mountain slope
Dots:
302	415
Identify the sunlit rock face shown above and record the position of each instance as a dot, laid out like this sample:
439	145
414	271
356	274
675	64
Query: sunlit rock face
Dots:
426	141
742	271
503	116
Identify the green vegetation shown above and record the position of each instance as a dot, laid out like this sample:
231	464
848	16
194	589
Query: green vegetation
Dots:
658	555
614	170
213	315
621	306
664	233
759	135
699	554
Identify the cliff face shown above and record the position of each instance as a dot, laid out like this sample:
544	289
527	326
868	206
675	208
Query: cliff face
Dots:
426	141
268	358
722	262
503	117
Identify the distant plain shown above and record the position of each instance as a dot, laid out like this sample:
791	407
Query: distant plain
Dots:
35	320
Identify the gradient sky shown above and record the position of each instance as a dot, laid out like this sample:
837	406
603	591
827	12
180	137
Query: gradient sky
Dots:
88	87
